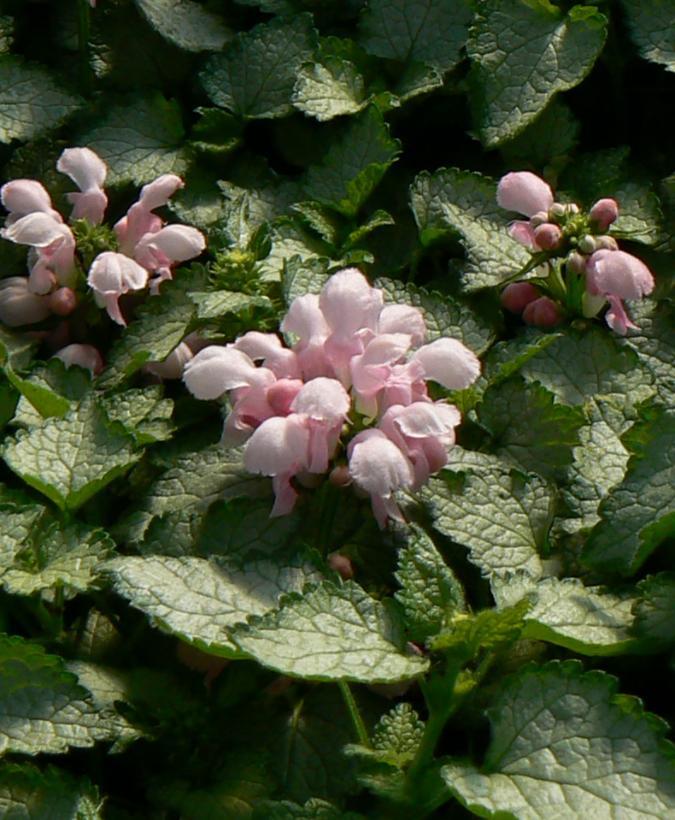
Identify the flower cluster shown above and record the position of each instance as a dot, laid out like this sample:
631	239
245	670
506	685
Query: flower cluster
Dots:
596	272
355	364
146	253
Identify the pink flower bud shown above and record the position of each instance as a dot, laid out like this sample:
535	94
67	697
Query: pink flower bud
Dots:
342	565
62	302
603	213
547	236
516	296
576	263
543	312
19	305
83	356
556	212
524	192
538	219
340	476
587	244
606	243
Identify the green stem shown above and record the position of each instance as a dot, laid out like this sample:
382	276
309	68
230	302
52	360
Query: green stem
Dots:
353	709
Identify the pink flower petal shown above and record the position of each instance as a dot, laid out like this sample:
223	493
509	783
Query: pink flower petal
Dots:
618	273
523	233
18	305
449	362
215	370
25	196
524	192
37	229
616	316
403	319
158	192
324	400
349	303
81	355
278	446
84	167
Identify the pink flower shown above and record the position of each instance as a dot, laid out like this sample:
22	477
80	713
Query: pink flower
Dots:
279	448
159	251
25	196
140	218
449	362
306	322
524	192
267	348
378	466
324	404
403	319
19	305
617	275
54	246
110	276
84	356
88	172
62	302
422	431
373	370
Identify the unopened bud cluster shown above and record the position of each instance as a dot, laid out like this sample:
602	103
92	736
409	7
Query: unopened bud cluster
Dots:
143	249
562	231
355	365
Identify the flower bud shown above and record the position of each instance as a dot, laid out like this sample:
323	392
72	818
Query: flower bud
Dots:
576	263
603	213
342	565
516	296
587	244
20	306
547	236
606	243
572	208
62	302
340	476
524	192
556	212
83	356
538	219
543	312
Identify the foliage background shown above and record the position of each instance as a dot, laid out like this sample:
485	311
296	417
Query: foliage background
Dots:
313	135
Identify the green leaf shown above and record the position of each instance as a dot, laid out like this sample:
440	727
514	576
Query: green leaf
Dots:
430	593
639	512
140	140
304	744
31	103
70	459
429	31
578	366
502	517
58	559
219	303
599	464
489	629
523	53
312	810
142	412
160	325
331	88
19	517
15	349
655	343
529	427
397	735
231	791
237	527
550	137
255	76
42	708
443	315
655	610
651	26
6	33
332	633
182	495
353	165
585	619
198	600
49	390
565	745
451	203
186	24
29	793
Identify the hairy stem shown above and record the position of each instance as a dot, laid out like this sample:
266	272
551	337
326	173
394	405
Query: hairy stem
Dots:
353	709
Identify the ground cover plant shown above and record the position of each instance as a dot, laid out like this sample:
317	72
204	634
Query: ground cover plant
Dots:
338	362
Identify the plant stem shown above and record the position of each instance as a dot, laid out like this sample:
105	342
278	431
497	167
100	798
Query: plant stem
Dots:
354	713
